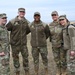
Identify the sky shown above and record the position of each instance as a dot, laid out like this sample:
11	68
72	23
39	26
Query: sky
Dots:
45	7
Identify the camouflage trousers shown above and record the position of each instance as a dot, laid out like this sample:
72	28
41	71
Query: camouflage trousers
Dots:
60	57
4	65
35	54
15	54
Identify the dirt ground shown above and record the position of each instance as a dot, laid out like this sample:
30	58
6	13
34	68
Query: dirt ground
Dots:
51	63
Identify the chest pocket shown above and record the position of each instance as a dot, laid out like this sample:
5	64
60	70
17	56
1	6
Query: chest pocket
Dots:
52	30
55	30
16	23
58	30
40	28
32	28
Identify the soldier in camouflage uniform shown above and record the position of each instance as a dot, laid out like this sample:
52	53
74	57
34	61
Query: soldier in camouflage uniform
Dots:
56	40
39	34
4	47
18	39
66	41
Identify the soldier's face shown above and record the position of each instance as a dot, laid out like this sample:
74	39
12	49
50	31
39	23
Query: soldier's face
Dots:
4	20
55	17
37	18
63	22
21	14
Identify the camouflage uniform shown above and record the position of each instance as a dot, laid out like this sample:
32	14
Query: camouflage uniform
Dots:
38	42
66	43
39	34
56	40
4	47
70	49
65	48
18	40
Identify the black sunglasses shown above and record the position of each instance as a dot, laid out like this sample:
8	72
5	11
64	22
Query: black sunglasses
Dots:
36	15
4	18
61	19
54	15
22	11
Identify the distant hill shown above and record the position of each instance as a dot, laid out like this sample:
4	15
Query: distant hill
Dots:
72	22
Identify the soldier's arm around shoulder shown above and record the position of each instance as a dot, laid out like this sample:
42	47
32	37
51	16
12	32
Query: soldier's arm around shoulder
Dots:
10	25
47	31
28	28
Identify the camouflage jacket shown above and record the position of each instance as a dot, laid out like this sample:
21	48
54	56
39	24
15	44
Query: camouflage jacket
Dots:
4	39
39	34
66	38
19	30
56	34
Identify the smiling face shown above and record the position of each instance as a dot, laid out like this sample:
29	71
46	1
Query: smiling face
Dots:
63	22
21	14
3	20
36	18
54	17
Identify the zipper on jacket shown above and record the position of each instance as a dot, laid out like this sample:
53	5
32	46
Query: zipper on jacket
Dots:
36	36
21	32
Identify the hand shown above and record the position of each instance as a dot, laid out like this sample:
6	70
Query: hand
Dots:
2	54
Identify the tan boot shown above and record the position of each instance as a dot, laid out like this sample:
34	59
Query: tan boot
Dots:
46	71
18	73
64	71
36	71
27	73
58	72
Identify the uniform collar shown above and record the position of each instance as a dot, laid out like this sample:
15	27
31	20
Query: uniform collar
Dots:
23	20
38	22
55	21
2	26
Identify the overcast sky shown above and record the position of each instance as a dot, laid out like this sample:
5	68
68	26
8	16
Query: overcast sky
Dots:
45	7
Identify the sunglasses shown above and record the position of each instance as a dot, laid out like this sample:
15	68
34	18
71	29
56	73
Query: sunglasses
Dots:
4	18
22	11
61	19
54	15
36	15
